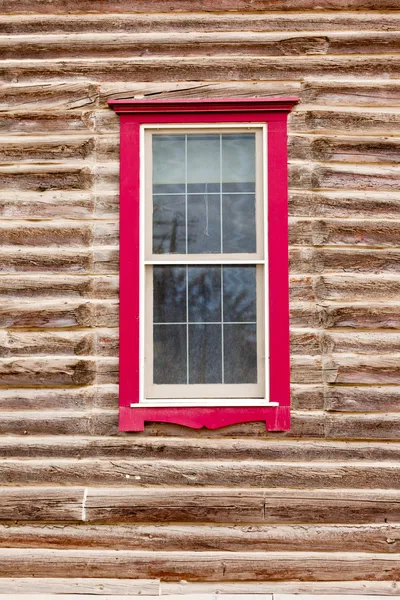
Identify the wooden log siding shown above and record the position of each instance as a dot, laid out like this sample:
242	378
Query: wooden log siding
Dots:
315	509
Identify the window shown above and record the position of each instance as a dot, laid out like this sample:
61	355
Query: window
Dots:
204	331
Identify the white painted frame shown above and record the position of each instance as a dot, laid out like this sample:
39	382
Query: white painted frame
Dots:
203	402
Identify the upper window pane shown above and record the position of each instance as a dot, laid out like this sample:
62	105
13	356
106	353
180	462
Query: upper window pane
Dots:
204	193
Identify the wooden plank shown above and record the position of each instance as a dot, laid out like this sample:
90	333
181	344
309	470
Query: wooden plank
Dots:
59	314
358	177
344	232
345	203
361	369
41	504
80	586
365	342
209	566
344	588
354	260
61	286
149	448
53	233
360	316
373	475
202	68
120	6
200	21
374	426
362	399
59	399
66	260
345	287
199	538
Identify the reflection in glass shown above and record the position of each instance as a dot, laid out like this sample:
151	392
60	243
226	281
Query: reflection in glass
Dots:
240	293
169	229
204	223
169	358
240	353
205	356
204	294
239	219
169	294
215	175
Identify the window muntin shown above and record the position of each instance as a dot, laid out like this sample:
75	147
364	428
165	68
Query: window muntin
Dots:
205	298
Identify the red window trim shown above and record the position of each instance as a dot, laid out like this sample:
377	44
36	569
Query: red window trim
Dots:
134	113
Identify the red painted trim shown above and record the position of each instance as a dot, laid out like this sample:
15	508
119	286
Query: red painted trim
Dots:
223	105
231	110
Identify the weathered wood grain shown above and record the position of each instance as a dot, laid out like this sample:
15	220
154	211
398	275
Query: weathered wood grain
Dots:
341	204
304	342
120	6
54	95
76	260
234	538
361	369
363	399
59	399
361	149
370	342
360	316
345	287
357	177
40	504
47	371
373	426
345	260
53	446
103	233
36	121
371	475
76	585
104	342
199	21
352	92
201	68
209	566
53	313
45	205
46	178
61	286
344	232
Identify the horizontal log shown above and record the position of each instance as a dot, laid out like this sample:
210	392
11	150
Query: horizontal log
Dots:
362	399
53	95
195	566
104	342
304	176
76	585
303	342
371	475
360	316
362	149
370	342
306	397
47	371
67	260
50	121
151	448
368	427
41	504
54	233
243	505
202	68
326	260
350	287
346	119
91	397
305	369
342	588
45	205
196	43
181	43
352	93
201	538
104	422
58	286
50	177
167	6
303	314
37	149
342	368
301	288
60	314
355	204
199	21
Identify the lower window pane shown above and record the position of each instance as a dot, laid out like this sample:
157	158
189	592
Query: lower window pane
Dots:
169	354
240	353
205	357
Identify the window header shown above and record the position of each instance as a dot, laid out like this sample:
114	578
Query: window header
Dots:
220	105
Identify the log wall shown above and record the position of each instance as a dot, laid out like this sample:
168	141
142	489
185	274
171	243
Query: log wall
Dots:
234	510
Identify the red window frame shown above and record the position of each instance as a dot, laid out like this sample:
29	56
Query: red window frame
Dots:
133	114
